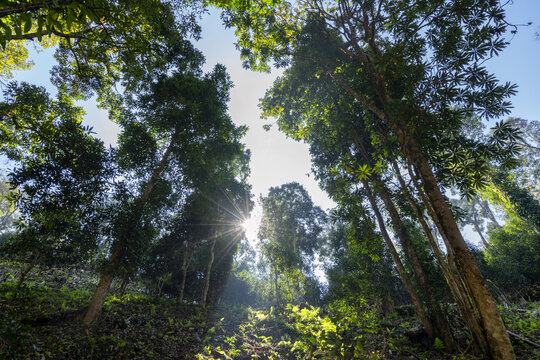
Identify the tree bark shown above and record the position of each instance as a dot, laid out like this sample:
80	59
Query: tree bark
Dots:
498	341
484	204
96	304
441	328
454	283
94	309
208	273
470	310
276	285
426	322
185	264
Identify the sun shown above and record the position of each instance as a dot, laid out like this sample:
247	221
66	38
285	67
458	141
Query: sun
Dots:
251	224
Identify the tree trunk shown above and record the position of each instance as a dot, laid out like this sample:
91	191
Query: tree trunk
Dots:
96	304
276	285
441	328
498	345
426	322
484	204
185	265
479	231
498	341
208	273
94	309
454	283
26	270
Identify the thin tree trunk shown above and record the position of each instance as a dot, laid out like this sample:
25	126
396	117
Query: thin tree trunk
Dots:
479	231
426	322
161	282
472	315
185	265
441	328
276	285
94	309
96	304
208	272
470	312
25	271
487	209
459	294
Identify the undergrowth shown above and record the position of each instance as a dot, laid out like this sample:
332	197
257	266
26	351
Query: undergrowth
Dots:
41	320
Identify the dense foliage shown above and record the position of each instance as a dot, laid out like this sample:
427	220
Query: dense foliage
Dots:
139	250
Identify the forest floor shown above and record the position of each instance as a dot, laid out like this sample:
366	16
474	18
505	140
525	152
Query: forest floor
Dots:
41	320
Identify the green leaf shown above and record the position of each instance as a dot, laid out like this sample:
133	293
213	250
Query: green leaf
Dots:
92	15
18	29
27	23
40	27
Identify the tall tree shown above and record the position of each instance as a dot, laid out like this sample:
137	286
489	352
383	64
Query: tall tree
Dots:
101	43
62	173
415	67
289	231
8	211
180	121
357	264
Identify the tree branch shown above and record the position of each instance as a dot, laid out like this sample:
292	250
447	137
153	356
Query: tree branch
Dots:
523	339
23	8
53	31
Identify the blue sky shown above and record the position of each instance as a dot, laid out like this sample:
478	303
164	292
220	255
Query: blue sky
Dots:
519	63
275	159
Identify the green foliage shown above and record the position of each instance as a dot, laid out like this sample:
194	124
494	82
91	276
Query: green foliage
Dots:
60	170
175	127
325	337
524	319
341	331
289	232
358	264
101	42
290	226
13	57
42	320
513	259
525	205
245	333
39	320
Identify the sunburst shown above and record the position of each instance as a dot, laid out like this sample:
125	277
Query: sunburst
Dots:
251	224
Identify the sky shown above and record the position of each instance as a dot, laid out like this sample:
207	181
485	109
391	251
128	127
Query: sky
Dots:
276	160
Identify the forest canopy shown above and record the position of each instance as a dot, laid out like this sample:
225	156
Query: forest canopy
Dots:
409	135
